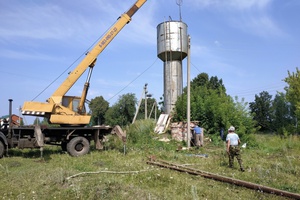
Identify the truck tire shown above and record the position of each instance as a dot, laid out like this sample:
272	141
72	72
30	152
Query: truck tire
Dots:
78	146
2	149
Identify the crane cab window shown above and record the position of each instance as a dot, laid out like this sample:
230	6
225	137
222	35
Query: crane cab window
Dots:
72	103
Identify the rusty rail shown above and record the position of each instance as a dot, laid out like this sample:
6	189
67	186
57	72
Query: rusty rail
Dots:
237	182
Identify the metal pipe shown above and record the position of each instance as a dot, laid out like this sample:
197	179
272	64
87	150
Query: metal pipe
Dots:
224	179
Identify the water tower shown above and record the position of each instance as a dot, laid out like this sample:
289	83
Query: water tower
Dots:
172	48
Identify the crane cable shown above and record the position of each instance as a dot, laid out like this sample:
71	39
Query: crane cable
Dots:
76	60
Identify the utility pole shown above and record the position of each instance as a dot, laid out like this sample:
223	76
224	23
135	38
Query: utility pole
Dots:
10	119
154	106
137	110
188	95
146	91
155	111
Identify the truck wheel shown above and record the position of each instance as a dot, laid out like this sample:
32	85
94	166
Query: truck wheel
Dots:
78	146
2	149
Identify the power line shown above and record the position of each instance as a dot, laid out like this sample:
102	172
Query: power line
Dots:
254	91
133	80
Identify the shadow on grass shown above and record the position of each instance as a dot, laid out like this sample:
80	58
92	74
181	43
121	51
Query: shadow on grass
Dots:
43	156
48	151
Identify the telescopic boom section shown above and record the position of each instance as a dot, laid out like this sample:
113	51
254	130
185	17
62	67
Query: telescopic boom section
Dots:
58	109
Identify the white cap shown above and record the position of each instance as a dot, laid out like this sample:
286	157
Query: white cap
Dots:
231	128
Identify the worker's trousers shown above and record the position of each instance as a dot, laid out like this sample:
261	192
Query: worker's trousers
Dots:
199	139
234	151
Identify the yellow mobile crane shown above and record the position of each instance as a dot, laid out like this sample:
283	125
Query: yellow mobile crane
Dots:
69	110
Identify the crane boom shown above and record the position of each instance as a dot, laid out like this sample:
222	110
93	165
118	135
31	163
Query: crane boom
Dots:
91	56
67	110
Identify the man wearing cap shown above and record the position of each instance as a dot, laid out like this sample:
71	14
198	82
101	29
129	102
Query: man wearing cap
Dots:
233	148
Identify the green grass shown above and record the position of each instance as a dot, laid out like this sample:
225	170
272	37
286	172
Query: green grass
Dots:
275	162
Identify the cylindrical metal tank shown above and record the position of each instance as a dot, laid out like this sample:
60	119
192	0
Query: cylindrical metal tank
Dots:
172	48
172	40
172	84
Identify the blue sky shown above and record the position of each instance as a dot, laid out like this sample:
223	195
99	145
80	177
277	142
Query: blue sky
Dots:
249	44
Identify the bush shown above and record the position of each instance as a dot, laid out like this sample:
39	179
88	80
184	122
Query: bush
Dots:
141	132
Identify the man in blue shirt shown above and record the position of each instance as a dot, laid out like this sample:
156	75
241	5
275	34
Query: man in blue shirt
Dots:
233	148
198	135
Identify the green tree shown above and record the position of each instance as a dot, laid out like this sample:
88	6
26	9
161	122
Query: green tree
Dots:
37	121
122	112
213	82
213	107
216	84
201	80
21	122
293	91
45	121
283	114
261	109
98	107
160	104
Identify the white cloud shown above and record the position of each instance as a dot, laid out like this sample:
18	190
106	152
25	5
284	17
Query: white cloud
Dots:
34	22
60	21
248	4
232	4
263	26
40	24
217	43
250	16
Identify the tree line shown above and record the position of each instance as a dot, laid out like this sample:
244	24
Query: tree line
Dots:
216	110
213	108
281	113
122	112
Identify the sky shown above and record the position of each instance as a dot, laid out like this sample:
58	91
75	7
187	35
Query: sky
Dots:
249	44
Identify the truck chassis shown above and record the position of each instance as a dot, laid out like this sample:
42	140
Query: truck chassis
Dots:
75	140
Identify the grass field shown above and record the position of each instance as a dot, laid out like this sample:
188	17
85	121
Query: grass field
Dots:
110	174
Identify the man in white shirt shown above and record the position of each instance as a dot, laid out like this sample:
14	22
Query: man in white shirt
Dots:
233	148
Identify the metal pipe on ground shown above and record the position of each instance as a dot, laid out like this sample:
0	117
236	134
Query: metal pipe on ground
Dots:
237	182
